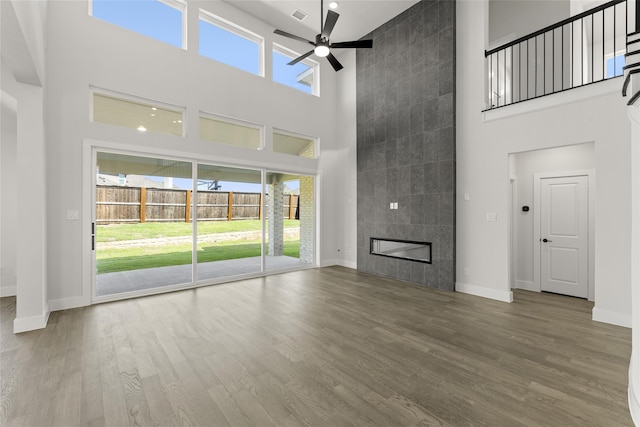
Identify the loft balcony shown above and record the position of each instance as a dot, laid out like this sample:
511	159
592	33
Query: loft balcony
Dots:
584	49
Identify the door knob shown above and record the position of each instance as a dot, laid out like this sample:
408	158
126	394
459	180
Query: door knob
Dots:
546	240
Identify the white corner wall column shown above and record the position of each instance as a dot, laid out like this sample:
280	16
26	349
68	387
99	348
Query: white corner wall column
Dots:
634	365
32	307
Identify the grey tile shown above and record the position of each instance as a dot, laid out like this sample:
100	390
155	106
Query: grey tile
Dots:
431	84
430	146
431	177
417	119
404	91
391	153
404	180
416	148
431	209
418	209
417	179
404	270
446	78
416	84
446	144
391	89
447	176
380	183
404	124
431	115
446	45
447	211
431	51
404	210
431	276
404	151
446	13
447	242
392	183
446	273
430	20
417	272
391	125
445	111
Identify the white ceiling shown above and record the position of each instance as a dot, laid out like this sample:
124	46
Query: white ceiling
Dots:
357	17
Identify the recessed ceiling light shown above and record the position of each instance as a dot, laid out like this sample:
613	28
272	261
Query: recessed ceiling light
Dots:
141	128
154	108
153	115
333	5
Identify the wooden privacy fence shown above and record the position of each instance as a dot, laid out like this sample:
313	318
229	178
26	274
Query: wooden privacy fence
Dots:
116	204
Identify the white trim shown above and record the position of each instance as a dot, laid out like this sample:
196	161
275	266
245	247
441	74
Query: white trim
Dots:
632	392
484	292
8	291
67	303
314	139
591	191
527	285
32	323
339	262
611	317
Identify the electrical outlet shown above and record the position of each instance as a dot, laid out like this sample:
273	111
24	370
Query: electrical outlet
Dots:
466	271
492	217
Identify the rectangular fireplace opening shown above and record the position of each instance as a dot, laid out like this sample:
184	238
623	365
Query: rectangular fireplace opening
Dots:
403	249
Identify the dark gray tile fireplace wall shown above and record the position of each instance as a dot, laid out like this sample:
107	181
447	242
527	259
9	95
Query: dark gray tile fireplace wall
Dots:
406	142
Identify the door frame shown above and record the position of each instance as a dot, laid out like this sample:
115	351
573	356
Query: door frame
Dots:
537	178
91	146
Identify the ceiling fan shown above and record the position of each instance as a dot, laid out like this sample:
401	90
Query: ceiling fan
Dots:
322	45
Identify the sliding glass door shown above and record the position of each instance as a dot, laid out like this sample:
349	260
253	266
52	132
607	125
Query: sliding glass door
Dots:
163	224
143	231
229	222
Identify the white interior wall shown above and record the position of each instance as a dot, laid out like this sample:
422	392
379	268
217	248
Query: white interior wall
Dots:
505	24
8	212
112	58
483	149
525	165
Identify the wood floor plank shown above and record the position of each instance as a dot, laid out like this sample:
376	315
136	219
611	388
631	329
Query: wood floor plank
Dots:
320	347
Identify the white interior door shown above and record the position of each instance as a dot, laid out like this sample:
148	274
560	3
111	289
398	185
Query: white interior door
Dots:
564	225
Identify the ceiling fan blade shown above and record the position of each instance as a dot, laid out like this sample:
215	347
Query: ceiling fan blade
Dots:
334	62
300	58
332	18
292	36
367	44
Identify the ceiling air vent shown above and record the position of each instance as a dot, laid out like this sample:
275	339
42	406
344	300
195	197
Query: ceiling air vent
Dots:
299	15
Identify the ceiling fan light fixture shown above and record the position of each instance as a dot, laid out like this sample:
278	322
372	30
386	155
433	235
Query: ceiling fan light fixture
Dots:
321	50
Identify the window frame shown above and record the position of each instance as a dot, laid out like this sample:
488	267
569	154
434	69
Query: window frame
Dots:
314	139
233	121
312	64
237	30
136	100
179	5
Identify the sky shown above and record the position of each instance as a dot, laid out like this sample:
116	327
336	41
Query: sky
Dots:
162	22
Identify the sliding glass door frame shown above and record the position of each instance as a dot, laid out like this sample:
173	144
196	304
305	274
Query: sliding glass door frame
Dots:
92	147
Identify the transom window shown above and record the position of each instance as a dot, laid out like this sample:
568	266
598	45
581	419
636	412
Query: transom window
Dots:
135	113
162	20
302	76
294	145
230	44
230	131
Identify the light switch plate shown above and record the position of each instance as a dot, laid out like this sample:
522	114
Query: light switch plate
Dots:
73	215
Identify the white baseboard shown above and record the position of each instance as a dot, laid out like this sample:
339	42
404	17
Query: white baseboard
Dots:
32	323
8	291
67	303
481	291
329	262
612	317
632	391
527	285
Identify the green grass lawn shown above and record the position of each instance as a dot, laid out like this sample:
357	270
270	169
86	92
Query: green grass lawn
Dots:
151	230
110	260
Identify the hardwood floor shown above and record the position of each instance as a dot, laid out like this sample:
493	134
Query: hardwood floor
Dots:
322	347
